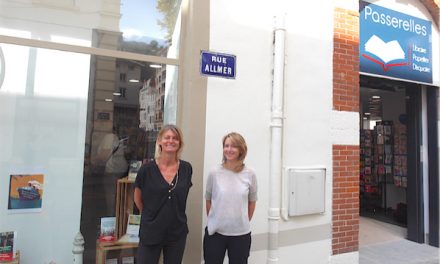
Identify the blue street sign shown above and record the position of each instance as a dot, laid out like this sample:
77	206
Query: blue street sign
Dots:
394	44
217	64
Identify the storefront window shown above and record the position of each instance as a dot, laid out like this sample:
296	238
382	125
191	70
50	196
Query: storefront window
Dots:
77	111
124	116
140	26
43	106
150	26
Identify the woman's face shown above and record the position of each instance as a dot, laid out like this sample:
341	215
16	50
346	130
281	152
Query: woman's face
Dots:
230	151
169	141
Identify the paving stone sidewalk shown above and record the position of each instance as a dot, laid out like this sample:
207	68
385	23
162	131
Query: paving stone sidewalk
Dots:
400	251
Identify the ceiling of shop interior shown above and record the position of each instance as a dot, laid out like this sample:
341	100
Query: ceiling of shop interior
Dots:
377	86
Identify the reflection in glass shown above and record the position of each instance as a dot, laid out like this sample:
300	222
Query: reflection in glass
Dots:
61	85
150	26
15	61
128	101
2	67
38	67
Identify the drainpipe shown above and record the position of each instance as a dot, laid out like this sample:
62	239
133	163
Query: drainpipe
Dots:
276	127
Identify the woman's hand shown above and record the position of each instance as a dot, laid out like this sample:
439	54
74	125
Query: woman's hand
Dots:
138	199
251	209
208	206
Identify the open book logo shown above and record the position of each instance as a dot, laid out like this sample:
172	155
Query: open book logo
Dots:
385	52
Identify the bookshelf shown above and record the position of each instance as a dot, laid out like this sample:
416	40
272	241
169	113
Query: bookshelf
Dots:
124	207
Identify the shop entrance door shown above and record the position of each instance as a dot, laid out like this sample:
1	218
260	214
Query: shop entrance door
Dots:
391	171
416	198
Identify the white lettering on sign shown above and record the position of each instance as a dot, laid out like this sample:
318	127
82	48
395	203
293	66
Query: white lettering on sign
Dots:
217	64
421	68
419	49
385	19
218	59
420	58
218	69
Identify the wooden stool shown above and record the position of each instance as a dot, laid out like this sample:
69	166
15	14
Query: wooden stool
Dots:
107	250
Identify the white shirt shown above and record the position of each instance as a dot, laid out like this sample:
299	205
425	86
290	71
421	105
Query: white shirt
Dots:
229	193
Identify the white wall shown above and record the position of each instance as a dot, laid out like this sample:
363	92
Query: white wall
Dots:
245	29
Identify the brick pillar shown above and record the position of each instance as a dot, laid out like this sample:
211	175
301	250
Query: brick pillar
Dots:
346	61
345	157
345	199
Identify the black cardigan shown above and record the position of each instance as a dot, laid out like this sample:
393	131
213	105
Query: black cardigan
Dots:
163	216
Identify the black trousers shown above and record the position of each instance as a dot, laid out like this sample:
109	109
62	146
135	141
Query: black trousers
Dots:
172	252
215	247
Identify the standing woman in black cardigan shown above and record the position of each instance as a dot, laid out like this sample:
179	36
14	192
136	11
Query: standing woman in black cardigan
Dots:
161	191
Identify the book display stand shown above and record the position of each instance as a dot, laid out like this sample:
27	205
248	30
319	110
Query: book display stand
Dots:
124	204
124	207
383	158
369	190
383	162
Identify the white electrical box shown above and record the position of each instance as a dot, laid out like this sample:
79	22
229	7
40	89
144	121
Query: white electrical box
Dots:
306	191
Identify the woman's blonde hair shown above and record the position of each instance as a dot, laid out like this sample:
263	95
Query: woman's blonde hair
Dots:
239	142
175	130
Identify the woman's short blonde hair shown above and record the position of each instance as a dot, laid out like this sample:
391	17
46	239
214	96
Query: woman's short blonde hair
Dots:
239	142
175	130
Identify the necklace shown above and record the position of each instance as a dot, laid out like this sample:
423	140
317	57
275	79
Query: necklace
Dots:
177	174
168	170
177	180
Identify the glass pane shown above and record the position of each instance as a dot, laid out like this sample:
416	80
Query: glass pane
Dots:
43	111
150	27
129	101
75	129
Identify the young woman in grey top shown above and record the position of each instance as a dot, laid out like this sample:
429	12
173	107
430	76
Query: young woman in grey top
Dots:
231	195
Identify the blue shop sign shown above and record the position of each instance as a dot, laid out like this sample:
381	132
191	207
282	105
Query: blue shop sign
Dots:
217	64
394	44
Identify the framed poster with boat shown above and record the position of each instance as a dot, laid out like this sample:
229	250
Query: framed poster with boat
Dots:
26	192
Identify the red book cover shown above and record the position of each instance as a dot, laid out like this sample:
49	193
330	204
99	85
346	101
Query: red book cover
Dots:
7	246
108	229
